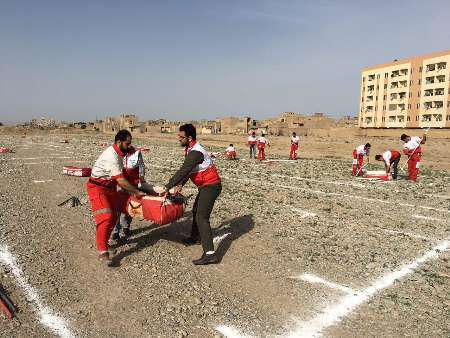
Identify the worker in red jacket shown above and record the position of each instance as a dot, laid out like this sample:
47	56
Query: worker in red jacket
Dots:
294	146
358	158
199	167
262	143
251	141
106	201
391	158
413	149
134	172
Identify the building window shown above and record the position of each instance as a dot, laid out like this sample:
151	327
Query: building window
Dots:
420	81
410	94
410	82
408	118
378	87
364	78
418	105
385	86
386	75
384	96
448	118
378	76
376	98
383	119
409	106
417	117
420	69
418	94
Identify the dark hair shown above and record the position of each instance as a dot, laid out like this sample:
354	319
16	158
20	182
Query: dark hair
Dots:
189	130
231	144
122	135
403	137
378	157
294	133
368	145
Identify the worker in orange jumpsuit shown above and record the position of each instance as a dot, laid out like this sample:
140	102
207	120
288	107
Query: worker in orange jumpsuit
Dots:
358	158
413	149
294	146
106	201
261	144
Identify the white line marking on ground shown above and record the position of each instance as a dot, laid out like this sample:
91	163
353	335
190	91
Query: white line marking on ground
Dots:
304	213
427	218
311	278
40	158
230	332
47	317
234	179
334	313
42	181
410	234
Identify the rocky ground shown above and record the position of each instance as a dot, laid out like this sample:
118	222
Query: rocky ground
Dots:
282	220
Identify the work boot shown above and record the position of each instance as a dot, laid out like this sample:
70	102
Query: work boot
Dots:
191	240
105	258
206	259
126	232
116	237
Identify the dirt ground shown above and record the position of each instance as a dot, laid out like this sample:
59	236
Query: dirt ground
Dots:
306	250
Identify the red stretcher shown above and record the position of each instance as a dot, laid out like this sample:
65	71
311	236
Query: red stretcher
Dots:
160	210
76	171
376	175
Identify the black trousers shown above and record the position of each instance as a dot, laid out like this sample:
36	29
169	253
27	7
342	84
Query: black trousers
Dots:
203	206
394	166
252	150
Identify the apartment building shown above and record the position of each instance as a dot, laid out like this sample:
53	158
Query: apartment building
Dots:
408	93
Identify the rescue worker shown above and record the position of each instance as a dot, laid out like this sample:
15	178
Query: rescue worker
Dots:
391	158
358	158
231	152
294	146
413	149
106	201
134	172
199	167
251	141
261	143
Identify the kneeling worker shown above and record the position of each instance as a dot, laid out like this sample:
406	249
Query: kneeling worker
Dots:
199	167
390	159
230	152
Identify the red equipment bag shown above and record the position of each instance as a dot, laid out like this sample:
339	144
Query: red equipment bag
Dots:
160	210
76	171
143	149
4	150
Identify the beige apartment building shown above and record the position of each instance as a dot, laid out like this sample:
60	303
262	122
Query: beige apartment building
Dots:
408	93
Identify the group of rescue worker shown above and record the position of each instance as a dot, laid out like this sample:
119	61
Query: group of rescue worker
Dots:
120	172
391	158
261	142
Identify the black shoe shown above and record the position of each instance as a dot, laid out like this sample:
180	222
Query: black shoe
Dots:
191	240
116	237
126	232
206	259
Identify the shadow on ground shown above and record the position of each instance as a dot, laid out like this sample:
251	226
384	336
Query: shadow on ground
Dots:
176	232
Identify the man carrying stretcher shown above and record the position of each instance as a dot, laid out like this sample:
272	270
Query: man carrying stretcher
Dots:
199	167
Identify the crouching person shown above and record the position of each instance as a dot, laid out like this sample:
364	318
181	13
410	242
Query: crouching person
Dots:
134	172
391	158
230	152
106	201
198	167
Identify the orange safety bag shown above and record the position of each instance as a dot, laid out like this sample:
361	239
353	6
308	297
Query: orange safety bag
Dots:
160	210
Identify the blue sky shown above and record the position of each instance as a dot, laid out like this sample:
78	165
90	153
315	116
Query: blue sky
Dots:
182	60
